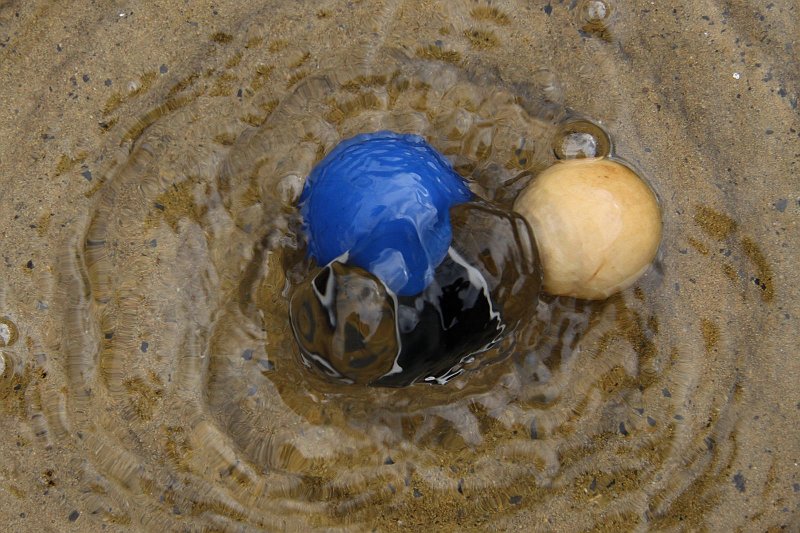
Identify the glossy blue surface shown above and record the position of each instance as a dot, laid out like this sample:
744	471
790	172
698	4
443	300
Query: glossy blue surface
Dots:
384	198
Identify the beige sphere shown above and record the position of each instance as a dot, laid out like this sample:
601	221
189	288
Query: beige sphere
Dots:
597	226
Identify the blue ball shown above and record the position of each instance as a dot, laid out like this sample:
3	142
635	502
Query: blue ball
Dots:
384	199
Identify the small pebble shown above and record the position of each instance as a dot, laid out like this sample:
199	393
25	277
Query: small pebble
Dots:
74	515
738	480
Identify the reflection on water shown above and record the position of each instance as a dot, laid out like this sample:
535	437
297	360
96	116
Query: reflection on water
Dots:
184	403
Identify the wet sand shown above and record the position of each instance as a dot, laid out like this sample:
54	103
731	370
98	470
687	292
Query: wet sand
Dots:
678	410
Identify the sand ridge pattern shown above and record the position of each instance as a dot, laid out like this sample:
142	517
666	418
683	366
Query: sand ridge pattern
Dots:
153	381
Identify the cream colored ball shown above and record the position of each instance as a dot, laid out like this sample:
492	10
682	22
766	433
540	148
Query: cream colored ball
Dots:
597	226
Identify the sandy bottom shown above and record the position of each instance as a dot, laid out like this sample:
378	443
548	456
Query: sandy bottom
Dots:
150	155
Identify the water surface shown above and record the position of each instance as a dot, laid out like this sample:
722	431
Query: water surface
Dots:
152	155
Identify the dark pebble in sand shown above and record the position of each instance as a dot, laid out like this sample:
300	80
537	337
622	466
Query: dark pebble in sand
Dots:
153	243
144	346
29	264
796	487
781	204
266	364
651	421
709	443
666	393
109	335
738	480
163	69
85	78
417	493
74	516
548	9
87	174
388	461
515	500
622	429
108	82
247	354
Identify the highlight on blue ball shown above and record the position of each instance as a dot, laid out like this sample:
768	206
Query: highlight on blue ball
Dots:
383	199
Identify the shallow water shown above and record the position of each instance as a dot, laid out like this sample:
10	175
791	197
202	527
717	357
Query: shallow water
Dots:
151	158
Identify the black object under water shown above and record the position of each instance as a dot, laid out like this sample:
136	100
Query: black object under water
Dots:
352	328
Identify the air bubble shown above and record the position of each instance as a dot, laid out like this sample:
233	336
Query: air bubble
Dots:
596	17
8	332
578	139
597	10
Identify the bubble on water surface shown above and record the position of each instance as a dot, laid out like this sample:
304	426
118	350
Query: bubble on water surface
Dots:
8	332
596	17
577	139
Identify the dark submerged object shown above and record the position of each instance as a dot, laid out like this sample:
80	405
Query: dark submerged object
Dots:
351	327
